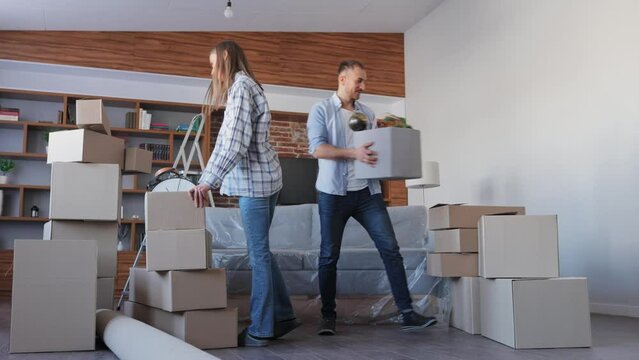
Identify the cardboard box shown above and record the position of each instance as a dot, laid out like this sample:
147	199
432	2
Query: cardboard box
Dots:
138	160
204	329
105	233
86	146
85	192
179	290
171	211
444	216
451	264
90	114
529	314
455	240
398	154
177	250
517	246
465	314
54	296
106	288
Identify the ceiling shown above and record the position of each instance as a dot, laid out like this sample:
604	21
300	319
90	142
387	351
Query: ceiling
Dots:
393	16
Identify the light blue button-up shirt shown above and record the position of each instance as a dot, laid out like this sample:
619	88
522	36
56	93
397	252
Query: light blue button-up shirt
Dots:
324	127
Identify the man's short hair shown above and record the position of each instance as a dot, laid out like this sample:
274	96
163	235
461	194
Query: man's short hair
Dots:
349	64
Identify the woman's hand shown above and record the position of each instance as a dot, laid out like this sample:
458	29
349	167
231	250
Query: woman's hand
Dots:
199	195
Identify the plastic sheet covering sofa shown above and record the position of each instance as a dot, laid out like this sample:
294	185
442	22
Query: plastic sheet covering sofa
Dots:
363	291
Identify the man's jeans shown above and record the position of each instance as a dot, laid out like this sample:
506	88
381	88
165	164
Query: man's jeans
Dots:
370	211
269	298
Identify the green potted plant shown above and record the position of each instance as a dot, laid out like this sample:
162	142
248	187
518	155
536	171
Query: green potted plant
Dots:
6	166
45	137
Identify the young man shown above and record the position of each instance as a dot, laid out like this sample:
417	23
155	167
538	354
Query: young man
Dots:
341	196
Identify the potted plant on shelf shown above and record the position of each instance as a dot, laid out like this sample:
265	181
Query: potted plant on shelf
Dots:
6	166
45	137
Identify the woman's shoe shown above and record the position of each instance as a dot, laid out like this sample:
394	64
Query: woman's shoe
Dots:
284	327
248	340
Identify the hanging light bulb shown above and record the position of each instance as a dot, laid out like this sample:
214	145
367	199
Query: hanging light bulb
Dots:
228	12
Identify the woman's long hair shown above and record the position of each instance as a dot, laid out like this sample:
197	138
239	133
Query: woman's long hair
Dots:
230	60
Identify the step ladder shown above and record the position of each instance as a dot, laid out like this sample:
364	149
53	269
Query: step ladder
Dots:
183	183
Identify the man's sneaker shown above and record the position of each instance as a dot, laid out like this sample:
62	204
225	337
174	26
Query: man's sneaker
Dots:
284	327
412	321
248	340
326	327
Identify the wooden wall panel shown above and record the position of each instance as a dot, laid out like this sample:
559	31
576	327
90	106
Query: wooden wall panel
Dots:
293	59
125	262
6	273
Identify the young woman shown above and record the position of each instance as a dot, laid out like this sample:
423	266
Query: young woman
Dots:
244	164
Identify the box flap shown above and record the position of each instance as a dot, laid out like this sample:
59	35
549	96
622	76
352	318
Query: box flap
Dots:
444	204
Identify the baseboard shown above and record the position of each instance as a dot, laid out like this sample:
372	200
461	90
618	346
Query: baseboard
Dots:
614	309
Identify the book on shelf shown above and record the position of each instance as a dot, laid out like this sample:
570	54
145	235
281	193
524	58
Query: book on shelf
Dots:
130	120
160	151
159	126
15	111
9	114
145	120
9	117
182	128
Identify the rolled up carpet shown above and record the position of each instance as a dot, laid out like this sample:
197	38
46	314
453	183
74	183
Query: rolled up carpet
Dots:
130	339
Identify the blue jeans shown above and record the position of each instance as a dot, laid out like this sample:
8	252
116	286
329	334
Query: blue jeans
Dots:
269	298
370	211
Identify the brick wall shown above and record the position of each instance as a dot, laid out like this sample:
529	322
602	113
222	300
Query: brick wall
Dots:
288	137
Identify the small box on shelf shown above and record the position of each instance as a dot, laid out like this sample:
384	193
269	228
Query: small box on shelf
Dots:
90	114
137	161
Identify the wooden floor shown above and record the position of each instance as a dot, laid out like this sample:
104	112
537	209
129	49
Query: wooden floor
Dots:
613	338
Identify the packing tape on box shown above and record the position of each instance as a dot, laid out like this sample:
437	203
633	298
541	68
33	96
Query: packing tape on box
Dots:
130	339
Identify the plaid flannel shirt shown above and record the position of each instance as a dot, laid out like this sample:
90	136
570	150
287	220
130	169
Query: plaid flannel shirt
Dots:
243	162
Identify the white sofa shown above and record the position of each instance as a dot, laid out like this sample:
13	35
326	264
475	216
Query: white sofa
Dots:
295	243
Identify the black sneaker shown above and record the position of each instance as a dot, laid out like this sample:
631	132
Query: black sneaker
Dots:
413	321
284	327
326	327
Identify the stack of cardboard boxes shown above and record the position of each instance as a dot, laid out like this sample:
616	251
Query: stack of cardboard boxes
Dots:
454	246
524	304
56	282
519	299
177	292
86	190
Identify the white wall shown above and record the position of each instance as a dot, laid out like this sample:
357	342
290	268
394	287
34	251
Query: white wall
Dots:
148	86
536	102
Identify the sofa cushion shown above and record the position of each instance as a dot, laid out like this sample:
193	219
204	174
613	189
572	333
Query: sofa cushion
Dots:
366	259
349	282
290	229
237	259
409	223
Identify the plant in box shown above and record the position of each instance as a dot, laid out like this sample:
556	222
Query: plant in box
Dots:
6	166
390	120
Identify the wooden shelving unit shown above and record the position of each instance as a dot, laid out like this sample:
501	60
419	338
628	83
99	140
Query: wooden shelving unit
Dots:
46	111
24	219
